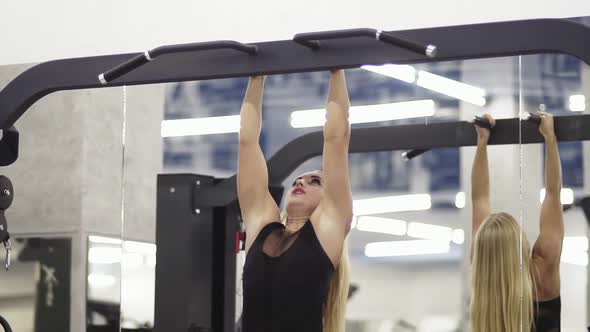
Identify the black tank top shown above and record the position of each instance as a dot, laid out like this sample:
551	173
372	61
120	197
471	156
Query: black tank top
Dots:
548	315
285	291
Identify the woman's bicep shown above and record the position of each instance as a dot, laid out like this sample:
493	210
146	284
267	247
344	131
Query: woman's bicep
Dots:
256	203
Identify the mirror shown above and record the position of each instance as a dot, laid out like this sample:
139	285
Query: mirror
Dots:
440	177
66	185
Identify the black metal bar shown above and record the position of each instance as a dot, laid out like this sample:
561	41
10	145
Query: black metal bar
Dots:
279	57
141	59
185	267
312	39
196	261
405	137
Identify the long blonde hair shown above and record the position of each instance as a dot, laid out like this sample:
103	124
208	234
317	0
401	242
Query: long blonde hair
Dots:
496	279
334	313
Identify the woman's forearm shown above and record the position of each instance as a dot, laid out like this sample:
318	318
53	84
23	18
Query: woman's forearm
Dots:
251	112
337	124
552	166
480	177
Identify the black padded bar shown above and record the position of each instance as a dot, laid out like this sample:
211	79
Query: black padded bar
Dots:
123	68
405	137
409	155
141	59
312	39
279	57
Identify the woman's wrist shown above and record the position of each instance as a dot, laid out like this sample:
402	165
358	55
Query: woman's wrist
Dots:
550	138
482	141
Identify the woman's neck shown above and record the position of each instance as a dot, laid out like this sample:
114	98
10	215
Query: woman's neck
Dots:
293	224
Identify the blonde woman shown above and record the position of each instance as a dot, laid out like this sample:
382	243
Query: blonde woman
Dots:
496	279
296	274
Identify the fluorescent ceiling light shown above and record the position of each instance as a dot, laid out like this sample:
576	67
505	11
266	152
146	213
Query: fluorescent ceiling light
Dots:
576	258
460	200
406	248
577	103
458	236
353	222
404	73
387	204
101	280
567	195
104	255
139	247
381	225
430	232
452	88
575	243
367	113
433	82
201	126
104	240
575	250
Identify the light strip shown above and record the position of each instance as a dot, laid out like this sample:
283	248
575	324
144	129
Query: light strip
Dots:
460	200
575	258
201	126
404	73
387	204
575	243
430	232
406	248
104	255
367	113
101	280
566	197
436	83
575	250
452	88
139	247
458	236
104	240
577	103
381	225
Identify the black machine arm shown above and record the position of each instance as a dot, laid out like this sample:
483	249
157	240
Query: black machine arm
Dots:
392	138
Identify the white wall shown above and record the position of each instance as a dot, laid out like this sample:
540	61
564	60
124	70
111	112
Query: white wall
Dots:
34	31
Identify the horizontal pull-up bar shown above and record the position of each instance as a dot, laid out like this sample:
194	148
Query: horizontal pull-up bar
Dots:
312	39
141	59
478	121
404	137
286	56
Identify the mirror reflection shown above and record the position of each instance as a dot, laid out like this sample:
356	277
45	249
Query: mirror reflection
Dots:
66	184
555	87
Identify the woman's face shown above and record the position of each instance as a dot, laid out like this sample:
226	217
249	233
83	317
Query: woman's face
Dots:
305	193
